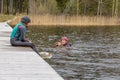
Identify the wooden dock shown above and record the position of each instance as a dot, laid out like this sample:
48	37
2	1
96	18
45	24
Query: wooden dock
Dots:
21	63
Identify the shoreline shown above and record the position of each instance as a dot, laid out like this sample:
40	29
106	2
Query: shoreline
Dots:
75	25
51	25
71	25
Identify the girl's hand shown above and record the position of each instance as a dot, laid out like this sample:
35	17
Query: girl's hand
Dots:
58	43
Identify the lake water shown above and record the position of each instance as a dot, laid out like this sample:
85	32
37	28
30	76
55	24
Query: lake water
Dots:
94	55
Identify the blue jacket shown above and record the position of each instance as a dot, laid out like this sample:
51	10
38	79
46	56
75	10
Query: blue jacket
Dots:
19	32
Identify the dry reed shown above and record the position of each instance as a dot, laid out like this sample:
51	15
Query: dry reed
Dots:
54	20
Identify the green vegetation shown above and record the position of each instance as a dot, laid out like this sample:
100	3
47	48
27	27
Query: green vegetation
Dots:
5	17
67	7
62	12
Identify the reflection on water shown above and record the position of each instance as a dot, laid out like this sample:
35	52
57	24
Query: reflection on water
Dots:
94	55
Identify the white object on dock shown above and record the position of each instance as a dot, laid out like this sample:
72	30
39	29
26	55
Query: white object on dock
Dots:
45	55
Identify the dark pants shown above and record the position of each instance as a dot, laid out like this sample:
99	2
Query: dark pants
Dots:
24	44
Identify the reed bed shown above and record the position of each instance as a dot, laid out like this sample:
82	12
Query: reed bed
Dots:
56	20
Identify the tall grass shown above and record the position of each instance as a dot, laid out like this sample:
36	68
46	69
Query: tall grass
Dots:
4	18
70	20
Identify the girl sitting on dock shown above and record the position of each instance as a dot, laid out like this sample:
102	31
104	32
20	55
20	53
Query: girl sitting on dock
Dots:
17	37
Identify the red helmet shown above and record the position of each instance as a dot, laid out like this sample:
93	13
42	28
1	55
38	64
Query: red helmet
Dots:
64	38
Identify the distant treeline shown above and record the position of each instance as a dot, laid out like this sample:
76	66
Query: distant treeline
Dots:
67	7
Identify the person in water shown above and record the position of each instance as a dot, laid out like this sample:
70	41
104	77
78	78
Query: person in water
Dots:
63	43
17	37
